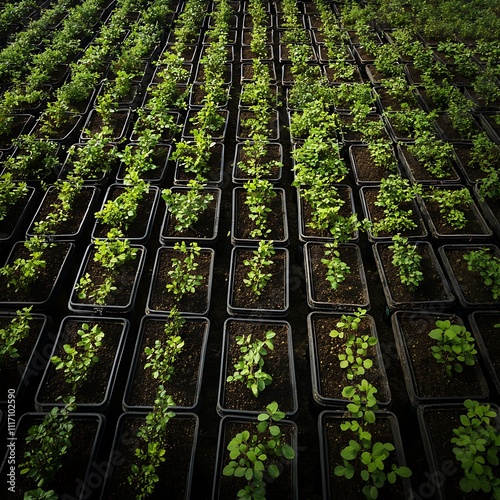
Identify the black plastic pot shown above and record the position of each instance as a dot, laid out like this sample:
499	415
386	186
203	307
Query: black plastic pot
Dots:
22	373
185	383
122	119
123	299
234	398
330	448
440	388
101	376
327	384
75	218
375	174
139	230
161	301
279	228
273	128
284	487
204	231
436	424
42	293
175	474
433	293
446	234
471	292
274	150
419	233
74	478
273	302
329	299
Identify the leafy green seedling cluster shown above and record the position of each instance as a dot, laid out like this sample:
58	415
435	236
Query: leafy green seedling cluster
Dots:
257	278
454	347
487	266
17	330
250	366
336	269
407	259
183	279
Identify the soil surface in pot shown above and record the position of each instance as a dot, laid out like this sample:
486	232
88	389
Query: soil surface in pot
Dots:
333	378
136	227
236	395
349	291
367	170
158	158
163	300
430	376
273	153
463	152
182	384
74	462
275	218
277	489
202	228
272	296
92	390
54	257
430	288
14	213
244	127
116	123
73	218
173	472
337	440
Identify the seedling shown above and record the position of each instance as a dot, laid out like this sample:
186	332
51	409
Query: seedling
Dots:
182	275
18	329
476	447
249	366
407	260
487	266
337	270
355	359
257	278
255	456
79	359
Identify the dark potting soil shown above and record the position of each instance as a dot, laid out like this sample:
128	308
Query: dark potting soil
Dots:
137	227
163	300
333	378
350	291
430	376
275	218
116	123
277	489
172	473
74	462
367	170
92	390
463	152
66	127
18	124
54	257
337	440
273	294
182	384
236	395
73	218
430	288
202	228
158	158
192	116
